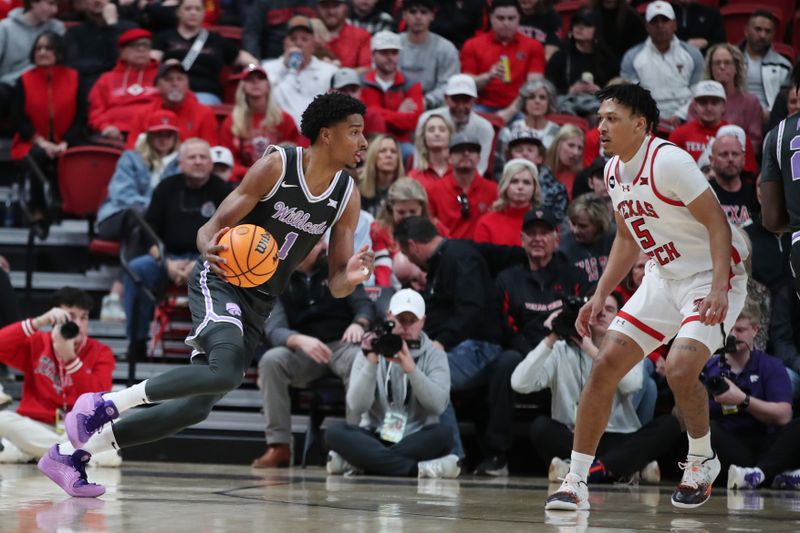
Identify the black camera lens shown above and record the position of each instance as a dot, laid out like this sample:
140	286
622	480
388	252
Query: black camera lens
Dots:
69	330
386	343
717	385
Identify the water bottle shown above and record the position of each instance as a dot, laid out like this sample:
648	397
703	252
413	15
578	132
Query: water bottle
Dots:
295	60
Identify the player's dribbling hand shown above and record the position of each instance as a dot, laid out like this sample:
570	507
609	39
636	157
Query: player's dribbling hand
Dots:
587	314
212	249
713	308
360	266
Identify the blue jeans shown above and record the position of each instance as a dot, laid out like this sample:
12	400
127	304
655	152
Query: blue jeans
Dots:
794	377
645	398
475	364
135	301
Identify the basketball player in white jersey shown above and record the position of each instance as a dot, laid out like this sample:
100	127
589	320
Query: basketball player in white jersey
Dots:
694	288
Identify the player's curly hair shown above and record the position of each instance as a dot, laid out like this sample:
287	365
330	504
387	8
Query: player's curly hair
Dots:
326	110
636	98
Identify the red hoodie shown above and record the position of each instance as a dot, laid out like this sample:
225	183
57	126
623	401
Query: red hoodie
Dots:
194	120
120	94
48	383
398	123
247	151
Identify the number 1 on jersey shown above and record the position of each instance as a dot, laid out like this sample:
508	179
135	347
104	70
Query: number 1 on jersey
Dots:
288	242
794	144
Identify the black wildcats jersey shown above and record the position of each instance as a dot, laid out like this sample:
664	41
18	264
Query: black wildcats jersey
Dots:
296	218
781	162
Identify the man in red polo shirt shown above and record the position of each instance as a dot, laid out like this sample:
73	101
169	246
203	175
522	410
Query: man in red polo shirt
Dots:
708	99
386	89
460	198
502	60
349	43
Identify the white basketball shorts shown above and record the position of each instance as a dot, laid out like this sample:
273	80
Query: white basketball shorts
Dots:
661	309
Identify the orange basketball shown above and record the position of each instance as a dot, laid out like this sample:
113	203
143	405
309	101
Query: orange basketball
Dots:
251	254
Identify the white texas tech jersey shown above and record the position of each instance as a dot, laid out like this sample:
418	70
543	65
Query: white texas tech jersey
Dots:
651	193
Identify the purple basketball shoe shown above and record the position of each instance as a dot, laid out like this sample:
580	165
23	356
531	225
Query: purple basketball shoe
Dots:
69	472
88	415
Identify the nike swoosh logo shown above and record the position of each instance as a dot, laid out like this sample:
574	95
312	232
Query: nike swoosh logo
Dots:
287	185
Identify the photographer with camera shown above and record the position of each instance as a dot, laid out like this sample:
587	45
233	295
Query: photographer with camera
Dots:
562	362
313	335
399	388
58	366
750	400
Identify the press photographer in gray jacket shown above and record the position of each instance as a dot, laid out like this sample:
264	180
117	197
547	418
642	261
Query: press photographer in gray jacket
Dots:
399	387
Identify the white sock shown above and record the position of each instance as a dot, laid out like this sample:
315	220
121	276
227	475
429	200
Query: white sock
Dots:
66	448
127	398
701	446
580	464
102	441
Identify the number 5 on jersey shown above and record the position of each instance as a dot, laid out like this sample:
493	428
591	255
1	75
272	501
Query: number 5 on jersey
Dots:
663	254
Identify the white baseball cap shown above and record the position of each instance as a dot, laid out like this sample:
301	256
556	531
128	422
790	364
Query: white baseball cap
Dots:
659	8
709	88
386	40
407	300
734	131
461	84
221	155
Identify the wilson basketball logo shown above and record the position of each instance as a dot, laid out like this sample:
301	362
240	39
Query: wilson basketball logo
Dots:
261	247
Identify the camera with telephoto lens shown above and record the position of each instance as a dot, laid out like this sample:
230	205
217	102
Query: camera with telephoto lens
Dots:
717	385
69	330
564	322
385	342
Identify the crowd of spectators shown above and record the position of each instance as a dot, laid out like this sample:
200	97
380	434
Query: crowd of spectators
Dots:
482	188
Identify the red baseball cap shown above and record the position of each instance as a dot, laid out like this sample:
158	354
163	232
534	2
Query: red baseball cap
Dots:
134	35
249	69
163	120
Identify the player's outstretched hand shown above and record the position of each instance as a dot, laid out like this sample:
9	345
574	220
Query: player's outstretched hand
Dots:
361	265
713	308
212	249
587	314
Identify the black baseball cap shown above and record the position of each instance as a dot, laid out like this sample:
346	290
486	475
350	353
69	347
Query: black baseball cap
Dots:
169	66
539	215
464	139
524	136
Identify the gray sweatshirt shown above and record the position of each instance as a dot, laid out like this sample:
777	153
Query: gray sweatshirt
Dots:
430	64
16	41
564	369
427	388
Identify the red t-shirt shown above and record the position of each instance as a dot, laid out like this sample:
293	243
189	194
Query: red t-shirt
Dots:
48	383
352	47
445	206
694	137
194	120
591	147
428	177
501	227
525	55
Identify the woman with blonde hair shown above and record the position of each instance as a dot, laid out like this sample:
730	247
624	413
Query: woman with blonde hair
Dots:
432	150
517	194
383	165
565	157
406	197
591	233
255	122
725	63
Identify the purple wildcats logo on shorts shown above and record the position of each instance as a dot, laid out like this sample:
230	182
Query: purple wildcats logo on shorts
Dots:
233	309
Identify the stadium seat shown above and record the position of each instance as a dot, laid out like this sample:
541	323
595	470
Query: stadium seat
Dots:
735	18
786	7
231	33
786	50
575	120
84	173
566	9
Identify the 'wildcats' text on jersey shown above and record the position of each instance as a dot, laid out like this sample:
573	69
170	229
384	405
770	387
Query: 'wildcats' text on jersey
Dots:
651	193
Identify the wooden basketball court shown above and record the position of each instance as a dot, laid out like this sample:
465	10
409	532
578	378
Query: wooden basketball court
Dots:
196	498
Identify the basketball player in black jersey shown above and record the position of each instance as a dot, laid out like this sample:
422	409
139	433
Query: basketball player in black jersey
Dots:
296	195
780	181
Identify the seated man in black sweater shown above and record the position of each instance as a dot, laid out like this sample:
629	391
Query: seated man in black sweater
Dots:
312	334
463	318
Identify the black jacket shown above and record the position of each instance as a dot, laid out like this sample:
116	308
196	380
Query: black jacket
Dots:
92	50
308	307
530	296
461	299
